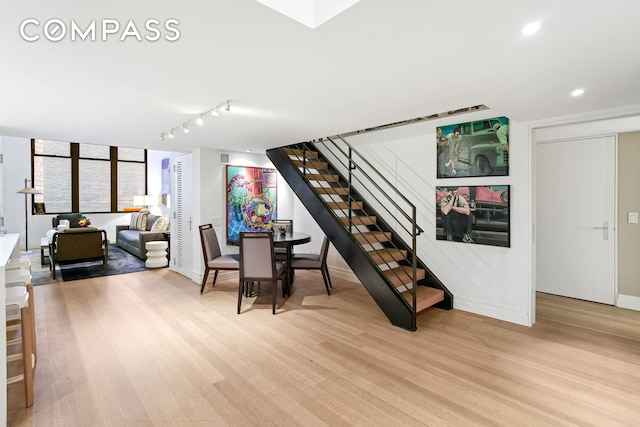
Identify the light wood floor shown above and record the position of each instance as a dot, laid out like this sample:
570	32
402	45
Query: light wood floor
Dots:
146	349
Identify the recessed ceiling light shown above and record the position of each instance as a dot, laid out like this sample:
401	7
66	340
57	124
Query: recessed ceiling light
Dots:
530	28
577	92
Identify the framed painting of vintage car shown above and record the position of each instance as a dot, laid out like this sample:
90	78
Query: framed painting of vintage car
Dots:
474	214
478	148
251	199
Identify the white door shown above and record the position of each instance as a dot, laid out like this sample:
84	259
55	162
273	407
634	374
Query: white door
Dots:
575	218
182	234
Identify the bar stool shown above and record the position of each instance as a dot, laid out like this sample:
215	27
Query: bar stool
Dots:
22	262
18	309
22	277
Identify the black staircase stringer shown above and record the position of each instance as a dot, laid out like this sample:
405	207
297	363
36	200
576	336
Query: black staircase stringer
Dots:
393	305
430	279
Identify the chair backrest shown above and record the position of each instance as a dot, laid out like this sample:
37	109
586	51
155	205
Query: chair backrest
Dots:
257	259
85	243
210	245
286	223
73	219
324	250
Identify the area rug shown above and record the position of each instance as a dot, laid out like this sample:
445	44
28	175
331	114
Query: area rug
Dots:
120	262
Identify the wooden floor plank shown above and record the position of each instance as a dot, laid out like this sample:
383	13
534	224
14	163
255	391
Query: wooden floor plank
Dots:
147	349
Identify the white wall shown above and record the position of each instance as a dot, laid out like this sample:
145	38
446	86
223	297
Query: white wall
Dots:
487	280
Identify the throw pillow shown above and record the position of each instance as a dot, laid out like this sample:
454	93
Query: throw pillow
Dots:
161	224
139	220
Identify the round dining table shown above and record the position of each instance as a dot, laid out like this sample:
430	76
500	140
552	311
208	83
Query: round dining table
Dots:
288	241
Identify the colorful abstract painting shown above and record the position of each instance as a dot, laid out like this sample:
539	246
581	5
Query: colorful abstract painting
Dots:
166	181
251	199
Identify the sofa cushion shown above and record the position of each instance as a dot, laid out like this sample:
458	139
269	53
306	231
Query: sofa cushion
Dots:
131	237
139	220
160	224
150	220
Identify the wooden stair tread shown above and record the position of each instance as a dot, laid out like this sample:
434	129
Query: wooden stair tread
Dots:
345	205
359	220
339	191
402	275
326	177
383	256
425	298
370	237
300	153
311	164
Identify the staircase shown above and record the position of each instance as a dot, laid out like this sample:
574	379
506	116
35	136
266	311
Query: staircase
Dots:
368	221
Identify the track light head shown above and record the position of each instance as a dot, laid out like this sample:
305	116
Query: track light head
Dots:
199	119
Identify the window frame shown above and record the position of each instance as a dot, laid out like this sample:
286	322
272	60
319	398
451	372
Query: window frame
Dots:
74	157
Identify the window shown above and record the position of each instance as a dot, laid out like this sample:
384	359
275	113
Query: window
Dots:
87	178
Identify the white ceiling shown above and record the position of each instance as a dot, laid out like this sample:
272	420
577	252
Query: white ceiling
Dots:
377	62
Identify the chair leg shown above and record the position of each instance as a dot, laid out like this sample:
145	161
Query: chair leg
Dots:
27	354
328	278
274	294
204	280
325	277
32	311
215	277
285	287
241	285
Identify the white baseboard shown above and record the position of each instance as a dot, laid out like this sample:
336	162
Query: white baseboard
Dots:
508	314
629	302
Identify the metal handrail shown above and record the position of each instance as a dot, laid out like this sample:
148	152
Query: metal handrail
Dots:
354	164
349	202
385	180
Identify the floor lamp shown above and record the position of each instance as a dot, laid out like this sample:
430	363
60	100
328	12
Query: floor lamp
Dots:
26	191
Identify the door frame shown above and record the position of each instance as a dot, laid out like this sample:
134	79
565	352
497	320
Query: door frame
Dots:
566	137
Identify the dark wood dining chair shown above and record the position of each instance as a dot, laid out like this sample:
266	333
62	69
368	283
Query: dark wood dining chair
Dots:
258	264
303	261
213	258
281	253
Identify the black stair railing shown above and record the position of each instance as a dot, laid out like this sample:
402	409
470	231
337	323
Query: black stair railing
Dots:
361	176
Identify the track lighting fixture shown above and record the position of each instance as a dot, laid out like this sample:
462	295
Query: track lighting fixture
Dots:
199	119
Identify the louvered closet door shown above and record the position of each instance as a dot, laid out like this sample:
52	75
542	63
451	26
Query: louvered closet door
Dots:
182	235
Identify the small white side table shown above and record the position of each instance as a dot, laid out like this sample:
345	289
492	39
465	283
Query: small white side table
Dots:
157	254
